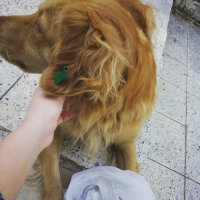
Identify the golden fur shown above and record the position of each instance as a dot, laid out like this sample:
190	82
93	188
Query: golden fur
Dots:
112	74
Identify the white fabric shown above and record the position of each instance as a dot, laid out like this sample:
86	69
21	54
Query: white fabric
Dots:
108	183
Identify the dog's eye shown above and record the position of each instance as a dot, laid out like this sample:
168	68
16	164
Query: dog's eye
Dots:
37	28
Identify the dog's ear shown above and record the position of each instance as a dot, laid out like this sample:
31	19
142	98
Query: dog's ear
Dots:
92	41
108	52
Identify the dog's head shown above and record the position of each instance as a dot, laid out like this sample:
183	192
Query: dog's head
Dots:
106	44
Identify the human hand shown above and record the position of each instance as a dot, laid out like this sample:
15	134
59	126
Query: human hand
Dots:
25	143
45	114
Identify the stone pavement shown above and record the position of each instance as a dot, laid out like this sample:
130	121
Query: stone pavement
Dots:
169	143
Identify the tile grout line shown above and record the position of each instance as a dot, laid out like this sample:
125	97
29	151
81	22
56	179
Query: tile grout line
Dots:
192	180
178	87
171	83
4	129
11	87
193	95
164	53
185	177
170	118
166	167
186	113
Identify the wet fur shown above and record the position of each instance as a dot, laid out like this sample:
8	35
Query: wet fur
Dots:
112	73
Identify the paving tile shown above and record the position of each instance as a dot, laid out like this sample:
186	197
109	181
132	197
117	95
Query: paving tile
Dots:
9	74
192	190
161	13
28	6
194	47
193	139
193	113
143	141
193	155
164	8
28	192
166	184
176	44
14	104
171	101
174	72
3	134
77	154
193	82
8	7
167	143
18	7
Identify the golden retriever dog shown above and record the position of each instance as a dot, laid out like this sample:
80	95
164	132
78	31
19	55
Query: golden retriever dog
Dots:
111	77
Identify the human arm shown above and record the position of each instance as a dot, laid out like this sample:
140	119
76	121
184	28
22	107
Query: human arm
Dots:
19	150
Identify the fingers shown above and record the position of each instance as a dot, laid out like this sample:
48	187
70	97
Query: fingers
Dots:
66	116
39	92
55	104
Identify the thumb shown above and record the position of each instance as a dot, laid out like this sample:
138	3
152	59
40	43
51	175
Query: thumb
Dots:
66	115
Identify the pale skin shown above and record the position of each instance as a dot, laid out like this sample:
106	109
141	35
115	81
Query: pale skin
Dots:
19	150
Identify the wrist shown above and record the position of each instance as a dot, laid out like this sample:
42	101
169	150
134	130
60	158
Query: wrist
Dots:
36	133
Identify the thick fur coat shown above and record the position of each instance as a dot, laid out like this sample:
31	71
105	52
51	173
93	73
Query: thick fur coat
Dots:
111	78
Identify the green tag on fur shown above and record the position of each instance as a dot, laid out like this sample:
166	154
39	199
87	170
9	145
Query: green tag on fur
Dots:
62	75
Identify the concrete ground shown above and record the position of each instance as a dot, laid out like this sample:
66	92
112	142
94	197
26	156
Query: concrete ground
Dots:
169	143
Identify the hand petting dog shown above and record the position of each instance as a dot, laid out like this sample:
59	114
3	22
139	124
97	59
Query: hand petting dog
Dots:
19	150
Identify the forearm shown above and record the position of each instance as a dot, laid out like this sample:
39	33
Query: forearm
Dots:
18	151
